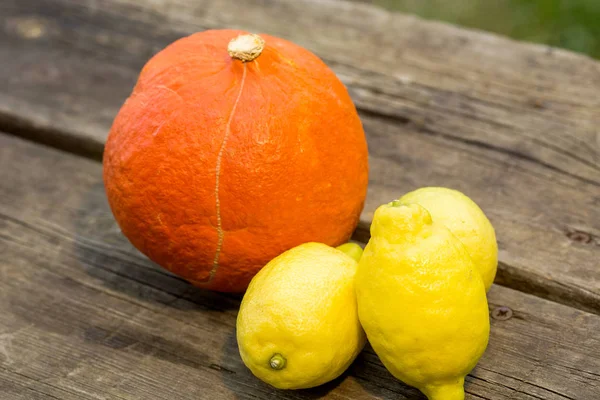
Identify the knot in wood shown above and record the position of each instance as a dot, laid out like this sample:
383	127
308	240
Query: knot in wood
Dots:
502	313
579	236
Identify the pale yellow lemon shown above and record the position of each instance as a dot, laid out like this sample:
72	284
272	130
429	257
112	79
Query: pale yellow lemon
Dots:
466	221
298	322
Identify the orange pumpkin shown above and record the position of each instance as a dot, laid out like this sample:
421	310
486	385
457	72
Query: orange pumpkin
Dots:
231	149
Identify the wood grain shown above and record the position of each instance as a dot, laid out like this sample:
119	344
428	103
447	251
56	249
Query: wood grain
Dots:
515	126
84	316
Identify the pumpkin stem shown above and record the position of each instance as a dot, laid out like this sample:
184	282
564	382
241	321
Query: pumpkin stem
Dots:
246	47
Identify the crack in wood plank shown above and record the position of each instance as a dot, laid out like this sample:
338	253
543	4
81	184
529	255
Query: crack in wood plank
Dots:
395	119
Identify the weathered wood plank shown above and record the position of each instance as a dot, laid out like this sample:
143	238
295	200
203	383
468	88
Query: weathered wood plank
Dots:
83	315
395	64
513	125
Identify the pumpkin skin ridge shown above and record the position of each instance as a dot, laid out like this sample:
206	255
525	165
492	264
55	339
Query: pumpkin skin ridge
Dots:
219	227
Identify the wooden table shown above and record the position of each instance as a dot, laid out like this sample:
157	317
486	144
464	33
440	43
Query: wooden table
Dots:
515	126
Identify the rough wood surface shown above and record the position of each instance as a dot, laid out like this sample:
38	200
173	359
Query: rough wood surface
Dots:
515	126
84	316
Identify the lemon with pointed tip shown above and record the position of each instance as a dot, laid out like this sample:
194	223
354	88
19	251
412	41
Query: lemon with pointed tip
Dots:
298	322
421	301
466	221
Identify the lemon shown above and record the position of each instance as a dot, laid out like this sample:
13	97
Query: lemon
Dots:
351	249
466	221
298	322
421	301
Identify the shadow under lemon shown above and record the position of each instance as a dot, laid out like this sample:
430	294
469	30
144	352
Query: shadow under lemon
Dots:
366	378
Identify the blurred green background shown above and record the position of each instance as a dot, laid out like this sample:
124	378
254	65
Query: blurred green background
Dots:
571	24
